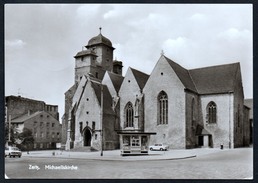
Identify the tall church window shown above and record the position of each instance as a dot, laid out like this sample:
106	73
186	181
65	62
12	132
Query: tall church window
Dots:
162	108
129	115
211	112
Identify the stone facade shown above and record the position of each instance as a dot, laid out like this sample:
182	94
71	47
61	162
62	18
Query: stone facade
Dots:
221	131
163	78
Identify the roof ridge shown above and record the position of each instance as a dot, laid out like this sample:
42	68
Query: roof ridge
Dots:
141	83
220	65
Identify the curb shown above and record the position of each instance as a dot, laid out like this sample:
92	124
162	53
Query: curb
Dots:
108	159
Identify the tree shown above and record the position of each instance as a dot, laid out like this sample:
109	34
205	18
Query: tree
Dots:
13	134
26	139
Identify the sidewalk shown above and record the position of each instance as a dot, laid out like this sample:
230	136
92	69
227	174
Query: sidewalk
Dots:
114	155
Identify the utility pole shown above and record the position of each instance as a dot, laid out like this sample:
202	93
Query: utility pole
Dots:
9	131
101	117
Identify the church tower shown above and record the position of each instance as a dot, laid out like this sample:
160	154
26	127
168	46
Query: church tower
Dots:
97	59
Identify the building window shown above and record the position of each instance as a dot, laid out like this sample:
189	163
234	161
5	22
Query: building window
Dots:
129	115
41	124
35	123
47	135
162	108
53	135
53	124
97	75
35	145
47	124
93	125
211	112
135	141
41	134
80	127
35	134
41	145
58	135
96	136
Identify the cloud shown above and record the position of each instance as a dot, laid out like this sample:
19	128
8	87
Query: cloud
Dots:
86	11
234	33
17	43
48	36
198	17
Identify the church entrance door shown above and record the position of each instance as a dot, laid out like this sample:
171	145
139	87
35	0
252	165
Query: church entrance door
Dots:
87	138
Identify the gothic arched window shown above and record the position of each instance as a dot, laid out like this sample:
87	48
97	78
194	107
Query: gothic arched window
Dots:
162	108
211	112
129	115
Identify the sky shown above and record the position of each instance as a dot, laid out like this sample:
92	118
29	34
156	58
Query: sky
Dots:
41	41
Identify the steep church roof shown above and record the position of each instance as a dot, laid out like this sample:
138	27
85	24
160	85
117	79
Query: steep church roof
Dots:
107	99
182	74
116	80
140	77
215	79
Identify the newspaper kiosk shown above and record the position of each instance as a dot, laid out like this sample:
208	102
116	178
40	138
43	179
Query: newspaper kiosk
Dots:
135	143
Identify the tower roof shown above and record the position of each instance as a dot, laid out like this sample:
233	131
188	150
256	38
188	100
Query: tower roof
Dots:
99	39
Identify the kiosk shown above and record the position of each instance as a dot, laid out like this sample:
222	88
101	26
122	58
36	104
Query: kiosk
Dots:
134	143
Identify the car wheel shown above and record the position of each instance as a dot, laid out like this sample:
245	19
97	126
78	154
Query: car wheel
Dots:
19	156
9	155
151	149
161	149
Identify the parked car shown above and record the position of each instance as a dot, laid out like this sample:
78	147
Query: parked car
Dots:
159	147
12	152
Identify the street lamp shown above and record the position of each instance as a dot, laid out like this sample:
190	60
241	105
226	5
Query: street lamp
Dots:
101	117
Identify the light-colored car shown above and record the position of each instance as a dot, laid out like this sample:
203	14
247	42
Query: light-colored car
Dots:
159	147
12	152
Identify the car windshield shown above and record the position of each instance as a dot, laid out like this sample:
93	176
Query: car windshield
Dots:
14	148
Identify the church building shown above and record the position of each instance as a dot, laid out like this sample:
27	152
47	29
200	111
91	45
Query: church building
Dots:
182	108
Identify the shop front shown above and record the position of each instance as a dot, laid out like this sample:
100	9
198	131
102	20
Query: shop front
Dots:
134	143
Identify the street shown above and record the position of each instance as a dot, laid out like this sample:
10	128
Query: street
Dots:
232	164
